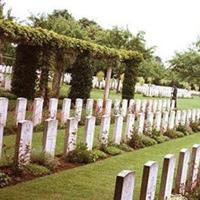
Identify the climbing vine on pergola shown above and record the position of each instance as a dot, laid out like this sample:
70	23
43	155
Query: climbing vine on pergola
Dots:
45	43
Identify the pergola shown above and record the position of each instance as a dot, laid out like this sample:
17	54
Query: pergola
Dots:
45	39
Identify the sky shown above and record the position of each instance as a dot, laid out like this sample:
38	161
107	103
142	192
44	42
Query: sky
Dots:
170	25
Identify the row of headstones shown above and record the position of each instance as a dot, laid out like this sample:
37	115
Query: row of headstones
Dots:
185	180
162	121
25	132
161	91
96	83
6	69
120	108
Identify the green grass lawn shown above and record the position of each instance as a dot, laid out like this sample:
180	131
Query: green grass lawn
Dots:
96	181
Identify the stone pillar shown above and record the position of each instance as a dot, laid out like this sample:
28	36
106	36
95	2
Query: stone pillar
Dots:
89	107
37	111
158	120
78	109
194	167
107	86
167	177
171	120
165	121
140	123
131	106
124	107
99	107
129	126
178	118
116	107
70	135
89	131
183	117
118	129
104	131
149	123
181	176
23	143
53	106
108	107
124	185
65	113
49	136
20	112
149	179
3	110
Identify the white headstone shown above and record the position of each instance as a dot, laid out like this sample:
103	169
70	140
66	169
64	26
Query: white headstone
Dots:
49	136
7	83
138	106
131	106
158	120
3	110
108	107
99	107
53	106
78	109
70	135
155	105
124	107
143	106
194	167
124	185
105	127
171	120
159	108
1	139
183	117
149	179
140	123
129	126
193	115
116	107
23	143
89	107
164	105
65	113
37	111
118	129
167	177
149	123
181	176
178	118
89	131
20	112
165	121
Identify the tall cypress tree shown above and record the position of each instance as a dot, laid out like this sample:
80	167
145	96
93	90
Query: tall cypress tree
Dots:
130	79
24	74
82	72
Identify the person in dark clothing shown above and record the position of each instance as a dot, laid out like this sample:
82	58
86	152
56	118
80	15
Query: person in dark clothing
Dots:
174	94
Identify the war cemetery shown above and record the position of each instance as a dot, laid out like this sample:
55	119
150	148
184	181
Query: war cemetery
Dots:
93	113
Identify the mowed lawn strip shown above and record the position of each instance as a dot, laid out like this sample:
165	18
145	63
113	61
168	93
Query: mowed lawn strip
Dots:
96	181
